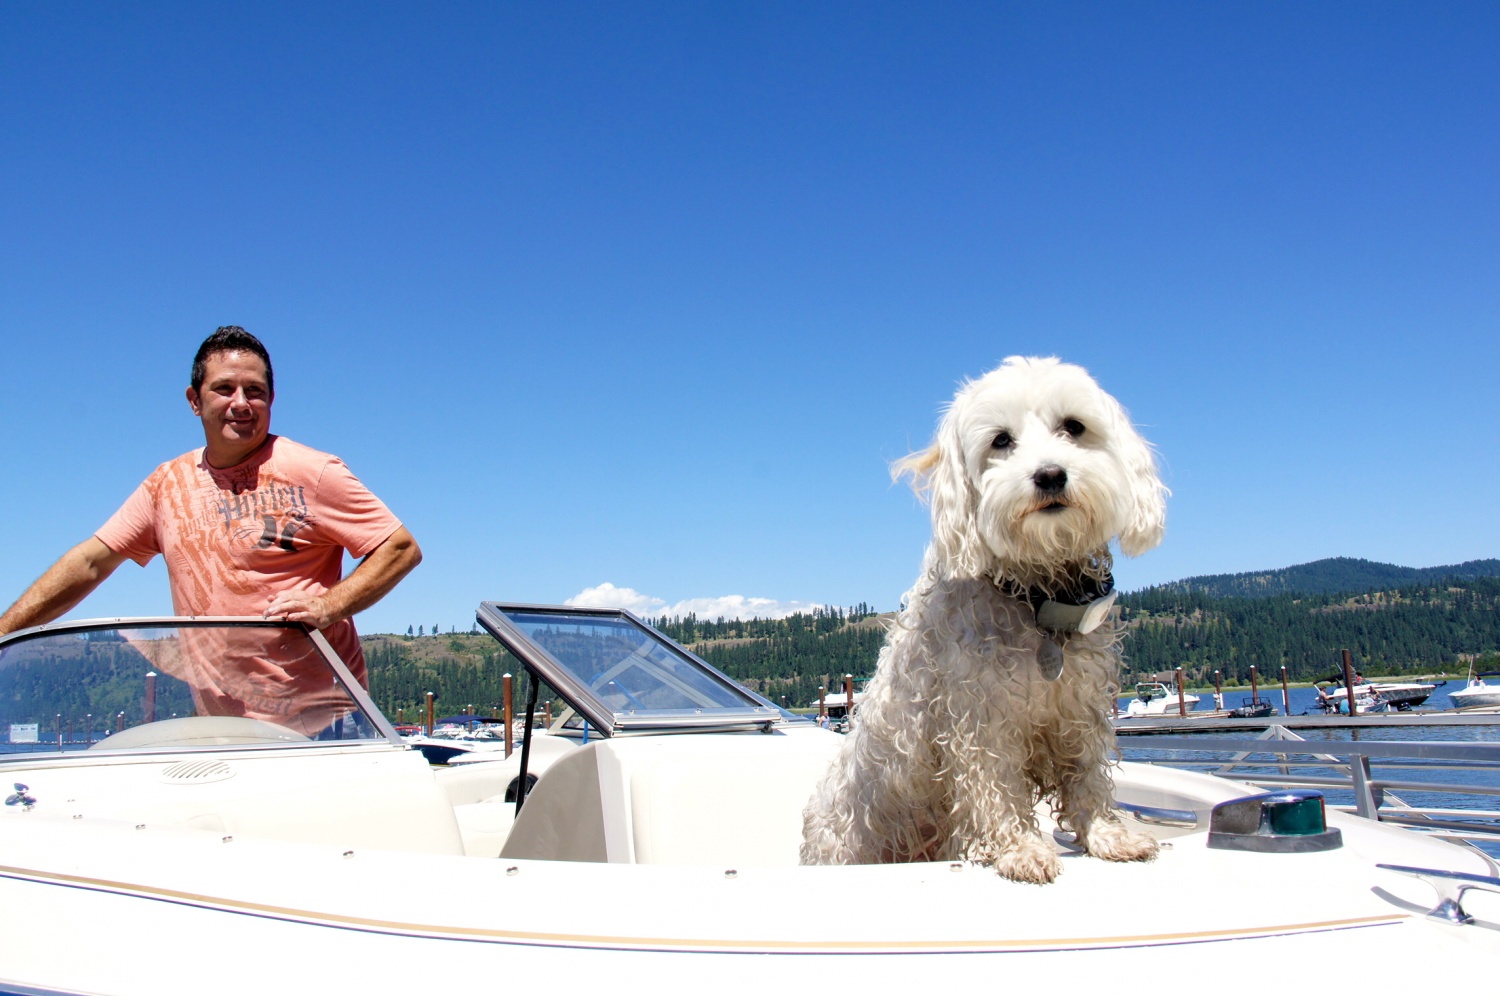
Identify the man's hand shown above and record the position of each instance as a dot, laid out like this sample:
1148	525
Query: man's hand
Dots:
367	584
296	606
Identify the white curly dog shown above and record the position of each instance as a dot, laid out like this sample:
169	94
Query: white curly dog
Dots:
994	688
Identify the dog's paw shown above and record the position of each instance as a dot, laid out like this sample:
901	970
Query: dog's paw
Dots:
1030	860
1113	841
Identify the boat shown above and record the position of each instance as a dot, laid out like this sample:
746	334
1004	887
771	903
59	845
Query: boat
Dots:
657	847
1403	695
1252	707
1477	693
1160	697
1332	698
1377	696
836	706
440	749
452	731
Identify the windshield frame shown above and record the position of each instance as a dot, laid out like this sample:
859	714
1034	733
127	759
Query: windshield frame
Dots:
757	712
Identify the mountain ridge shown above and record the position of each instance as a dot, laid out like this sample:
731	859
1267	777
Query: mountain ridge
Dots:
1329	576
1393	619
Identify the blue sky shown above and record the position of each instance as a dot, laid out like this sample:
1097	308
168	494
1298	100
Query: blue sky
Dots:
650	295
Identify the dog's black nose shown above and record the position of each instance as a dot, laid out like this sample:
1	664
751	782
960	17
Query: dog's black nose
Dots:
1050	479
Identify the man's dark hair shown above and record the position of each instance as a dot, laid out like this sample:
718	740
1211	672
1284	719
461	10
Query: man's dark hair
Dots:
230	339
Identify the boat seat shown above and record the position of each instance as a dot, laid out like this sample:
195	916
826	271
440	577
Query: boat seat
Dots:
484	826
727	800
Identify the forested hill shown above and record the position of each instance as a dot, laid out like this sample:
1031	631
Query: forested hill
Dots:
783	659
786	660
1408	629
1411	627
1421	627
1333	576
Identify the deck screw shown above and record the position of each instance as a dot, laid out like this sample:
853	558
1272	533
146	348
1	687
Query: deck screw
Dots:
957	866
226	839
348	854
731	873
512	870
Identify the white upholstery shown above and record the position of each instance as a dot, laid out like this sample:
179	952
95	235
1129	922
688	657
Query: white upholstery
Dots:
713	799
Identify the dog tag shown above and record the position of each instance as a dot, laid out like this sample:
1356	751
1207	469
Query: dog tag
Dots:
1049	658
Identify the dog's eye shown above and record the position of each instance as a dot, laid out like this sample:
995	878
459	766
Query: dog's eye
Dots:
1002	441
1072	427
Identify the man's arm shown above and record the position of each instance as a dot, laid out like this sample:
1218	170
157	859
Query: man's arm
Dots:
367	584
66	583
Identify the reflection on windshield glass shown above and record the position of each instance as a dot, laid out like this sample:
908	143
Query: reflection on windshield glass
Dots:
74	689
626	667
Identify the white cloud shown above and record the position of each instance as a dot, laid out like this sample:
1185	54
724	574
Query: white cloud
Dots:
607	595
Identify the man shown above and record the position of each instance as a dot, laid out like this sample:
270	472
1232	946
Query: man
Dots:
252	524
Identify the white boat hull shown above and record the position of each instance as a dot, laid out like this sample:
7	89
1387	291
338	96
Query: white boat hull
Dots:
1167	705
1380	695
228	855
362	915
1475	696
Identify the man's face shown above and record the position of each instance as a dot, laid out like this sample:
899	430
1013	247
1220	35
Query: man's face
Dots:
235	406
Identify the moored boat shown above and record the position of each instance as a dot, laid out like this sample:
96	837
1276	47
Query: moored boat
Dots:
1375	696
1160	697
1477	693
1252	707
1403	695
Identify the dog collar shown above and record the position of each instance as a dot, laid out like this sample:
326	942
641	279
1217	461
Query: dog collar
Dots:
1061	613
1078	611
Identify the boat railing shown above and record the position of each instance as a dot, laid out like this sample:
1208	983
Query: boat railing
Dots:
1370	773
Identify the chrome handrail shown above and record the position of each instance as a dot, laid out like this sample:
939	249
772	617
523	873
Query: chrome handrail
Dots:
1367	769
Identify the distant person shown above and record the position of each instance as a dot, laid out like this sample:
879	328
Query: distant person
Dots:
251	524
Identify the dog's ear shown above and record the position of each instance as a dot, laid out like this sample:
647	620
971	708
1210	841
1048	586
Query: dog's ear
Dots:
1146	516
939	477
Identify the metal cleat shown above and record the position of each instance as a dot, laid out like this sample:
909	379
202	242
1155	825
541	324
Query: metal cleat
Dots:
1450	887
21	797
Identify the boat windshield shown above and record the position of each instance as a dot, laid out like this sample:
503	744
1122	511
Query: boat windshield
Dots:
619	674
176	683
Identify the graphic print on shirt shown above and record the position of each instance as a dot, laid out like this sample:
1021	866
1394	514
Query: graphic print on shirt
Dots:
237	535
279	509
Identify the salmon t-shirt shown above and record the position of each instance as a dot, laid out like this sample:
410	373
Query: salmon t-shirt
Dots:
234	537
